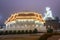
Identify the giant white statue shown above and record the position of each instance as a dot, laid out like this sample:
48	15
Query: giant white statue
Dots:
48	13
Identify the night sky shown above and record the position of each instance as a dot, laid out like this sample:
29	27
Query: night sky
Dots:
7	7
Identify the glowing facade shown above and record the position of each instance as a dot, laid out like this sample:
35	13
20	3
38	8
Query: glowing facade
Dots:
25	21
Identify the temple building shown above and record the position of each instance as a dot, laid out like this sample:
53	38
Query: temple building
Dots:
25	21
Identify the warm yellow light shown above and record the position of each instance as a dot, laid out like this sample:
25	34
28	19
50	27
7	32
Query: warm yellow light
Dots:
15	16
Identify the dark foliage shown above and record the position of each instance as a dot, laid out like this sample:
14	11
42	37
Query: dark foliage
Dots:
10	32
26	32
49	30
35	31
14	32
30	32
22	32
18	32
6	32
1	32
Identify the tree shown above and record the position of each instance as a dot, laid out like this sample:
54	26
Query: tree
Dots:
30	31
19	32
49	30
6	32
35	30
22	32
14	32
26	31
1	32
10	32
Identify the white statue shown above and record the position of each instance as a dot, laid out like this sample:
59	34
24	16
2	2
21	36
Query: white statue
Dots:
48	13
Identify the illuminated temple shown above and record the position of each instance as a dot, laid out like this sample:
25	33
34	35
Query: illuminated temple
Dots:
25	21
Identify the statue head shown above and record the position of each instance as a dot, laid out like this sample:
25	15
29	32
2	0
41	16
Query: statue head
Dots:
47	8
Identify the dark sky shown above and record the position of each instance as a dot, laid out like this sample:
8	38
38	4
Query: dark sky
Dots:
7	7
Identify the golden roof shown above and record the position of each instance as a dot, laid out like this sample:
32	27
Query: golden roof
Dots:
25	15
